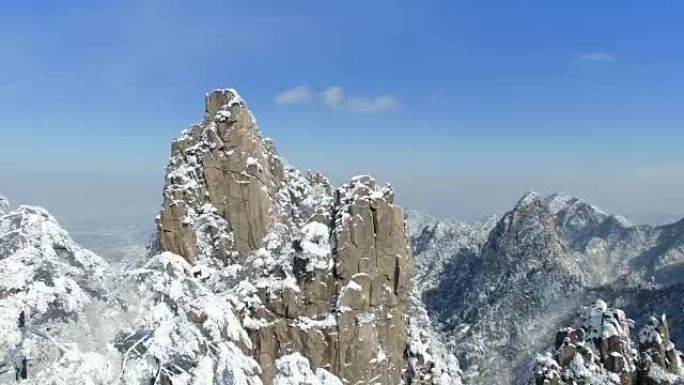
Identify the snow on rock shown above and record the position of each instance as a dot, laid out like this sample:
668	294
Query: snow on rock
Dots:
429	360
260	273
294	369
314	244
530	197
660	362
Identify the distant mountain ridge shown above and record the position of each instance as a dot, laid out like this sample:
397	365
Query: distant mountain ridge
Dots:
501	289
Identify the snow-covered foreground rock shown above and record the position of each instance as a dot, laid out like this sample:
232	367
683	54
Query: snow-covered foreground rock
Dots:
602	351
499	289
180	331
67	318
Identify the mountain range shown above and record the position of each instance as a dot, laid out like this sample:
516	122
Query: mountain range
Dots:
259	273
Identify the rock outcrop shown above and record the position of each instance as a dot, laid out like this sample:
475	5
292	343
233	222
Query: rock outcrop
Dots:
601	351
312	269
222	162
659	361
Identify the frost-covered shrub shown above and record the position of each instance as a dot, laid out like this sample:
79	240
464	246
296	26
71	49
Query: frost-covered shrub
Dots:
181	332
53	304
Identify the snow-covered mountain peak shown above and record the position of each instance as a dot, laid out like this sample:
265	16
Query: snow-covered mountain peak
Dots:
217	103
528	198
565	205
31	232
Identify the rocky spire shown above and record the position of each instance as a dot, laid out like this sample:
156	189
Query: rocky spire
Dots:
220	166
316	270
659	361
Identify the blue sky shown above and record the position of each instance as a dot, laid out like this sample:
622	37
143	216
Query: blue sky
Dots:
463	105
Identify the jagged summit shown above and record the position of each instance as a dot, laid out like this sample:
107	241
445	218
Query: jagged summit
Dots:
311	268
560	202
261	274
220	169
221	100
527	199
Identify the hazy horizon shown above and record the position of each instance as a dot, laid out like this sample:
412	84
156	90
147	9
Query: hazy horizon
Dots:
130	201
461	107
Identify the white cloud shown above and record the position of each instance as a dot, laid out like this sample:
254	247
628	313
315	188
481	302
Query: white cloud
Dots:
334	97
597	57
294	95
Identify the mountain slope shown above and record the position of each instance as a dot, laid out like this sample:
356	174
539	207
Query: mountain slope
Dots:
437	242
497	300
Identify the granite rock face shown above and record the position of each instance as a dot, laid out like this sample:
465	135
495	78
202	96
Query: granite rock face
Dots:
347	312
222	162
312	269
